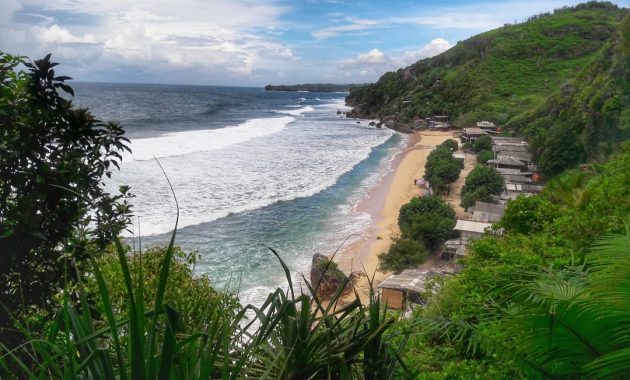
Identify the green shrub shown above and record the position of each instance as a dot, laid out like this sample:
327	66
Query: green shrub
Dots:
450	144
441	168
526	215
403	254
432	229
420	207
482	143
484	156
482	182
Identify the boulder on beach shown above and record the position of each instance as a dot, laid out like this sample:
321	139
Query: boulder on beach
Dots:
326	277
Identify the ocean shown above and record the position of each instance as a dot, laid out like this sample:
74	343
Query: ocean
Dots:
250	169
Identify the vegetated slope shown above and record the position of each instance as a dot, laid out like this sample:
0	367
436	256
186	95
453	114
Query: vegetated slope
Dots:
499	75
313	87
588	117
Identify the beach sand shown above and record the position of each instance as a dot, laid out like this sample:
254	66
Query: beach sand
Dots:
384	202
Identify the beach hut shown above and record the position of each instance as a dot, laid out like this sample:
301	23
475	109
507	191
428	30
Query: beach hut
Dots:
486	212
399	289
470	229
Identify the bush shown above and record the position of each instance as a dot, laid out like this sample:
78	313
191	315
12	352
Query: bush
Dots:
482	143
482	182
526	215
403	254
441	168
450	144
432	229
185	291
423	207
484	156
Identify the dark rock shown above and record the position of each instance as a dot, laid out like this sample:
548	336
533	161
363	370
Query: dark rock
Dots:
372	123
326	277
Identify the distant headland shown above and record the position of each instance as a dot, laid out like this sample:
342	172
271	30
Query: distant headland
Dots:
314	87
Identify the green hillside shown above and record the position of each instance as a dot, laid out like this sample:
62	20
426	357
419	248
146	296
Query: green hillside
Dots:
525	77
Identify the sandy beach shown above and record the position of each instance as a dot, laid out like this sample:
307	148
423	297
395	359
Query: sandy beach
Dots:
384	202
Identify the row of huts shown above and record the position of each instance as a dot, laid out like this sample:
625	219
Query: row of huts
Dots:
514	161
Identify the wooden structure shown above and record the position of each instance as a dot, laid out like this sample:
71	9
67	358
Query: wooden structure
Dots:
399	289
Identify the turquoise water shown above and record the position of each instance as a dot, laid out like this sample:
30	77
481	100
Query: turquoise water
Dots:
249	168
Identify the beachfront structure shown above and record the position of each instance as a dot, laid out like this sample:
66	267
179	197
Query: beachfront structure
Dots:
400	289
468	229
439	122
469	135
486	212
487	125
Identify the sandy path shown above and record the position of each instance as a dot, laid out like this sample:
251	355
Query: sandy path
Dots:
384	202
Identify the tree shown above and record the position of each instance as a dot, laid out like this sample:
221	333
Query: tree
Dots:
441	168
432	229
526	215
484	156
482	182
450	144
403	254
482	143
53	159
429	219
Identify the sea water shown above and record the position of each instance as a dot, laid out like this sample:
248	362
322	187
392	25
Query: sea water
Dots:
251	169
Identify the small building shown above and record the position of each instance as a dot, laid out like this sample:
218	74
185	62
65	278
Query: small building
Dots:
507	162
399	289
469	135
523	188
470	229
486	125
438	123
486	212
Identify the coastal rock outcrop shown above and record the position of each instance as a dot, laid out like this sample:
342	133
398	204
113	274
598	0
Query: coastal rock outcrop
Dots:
326	277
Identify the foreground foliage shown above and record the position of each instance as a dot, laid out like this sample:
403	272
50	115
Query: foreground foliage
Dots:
148	334
52	162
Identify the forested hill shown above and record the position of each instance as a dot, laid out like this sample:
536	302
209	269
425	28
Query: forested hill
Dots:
313	87
560	79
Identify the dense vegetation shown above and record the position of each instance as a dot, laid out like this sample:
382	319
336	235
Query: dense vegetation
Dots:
549	298
53	158
313	87
424	222
559	79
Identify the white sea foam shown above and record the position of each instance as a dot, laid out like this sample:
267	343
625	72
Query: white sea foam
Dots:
187	142
297	112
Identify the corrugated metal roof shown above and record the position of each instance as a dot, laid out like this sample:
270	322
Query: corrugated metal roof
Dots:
471	226
409	279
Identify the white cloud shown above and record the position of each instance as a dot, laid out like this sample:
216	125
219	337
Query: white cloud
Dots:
374	63
210	39
55	34
355	25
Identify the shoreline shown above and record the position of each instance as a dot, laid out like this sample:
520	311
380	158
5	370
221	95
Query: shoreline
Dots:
383	202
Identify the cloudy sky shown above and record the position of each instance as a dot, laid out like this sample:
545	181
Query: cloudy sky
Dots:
246	42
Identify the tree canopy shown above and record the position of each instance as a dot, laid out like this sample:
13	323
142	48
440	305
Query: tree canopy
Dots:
54	158
481	183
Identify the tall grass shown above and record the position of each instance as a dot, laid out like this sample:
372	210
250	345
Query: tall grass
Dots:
293	335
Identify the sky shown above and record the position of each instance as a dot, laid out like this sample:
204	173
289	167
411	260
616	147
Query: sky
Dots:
247	42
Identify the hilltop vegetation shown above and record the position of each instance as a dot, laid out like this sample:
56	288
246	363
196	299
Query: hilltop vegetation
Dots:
313	87
560	79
